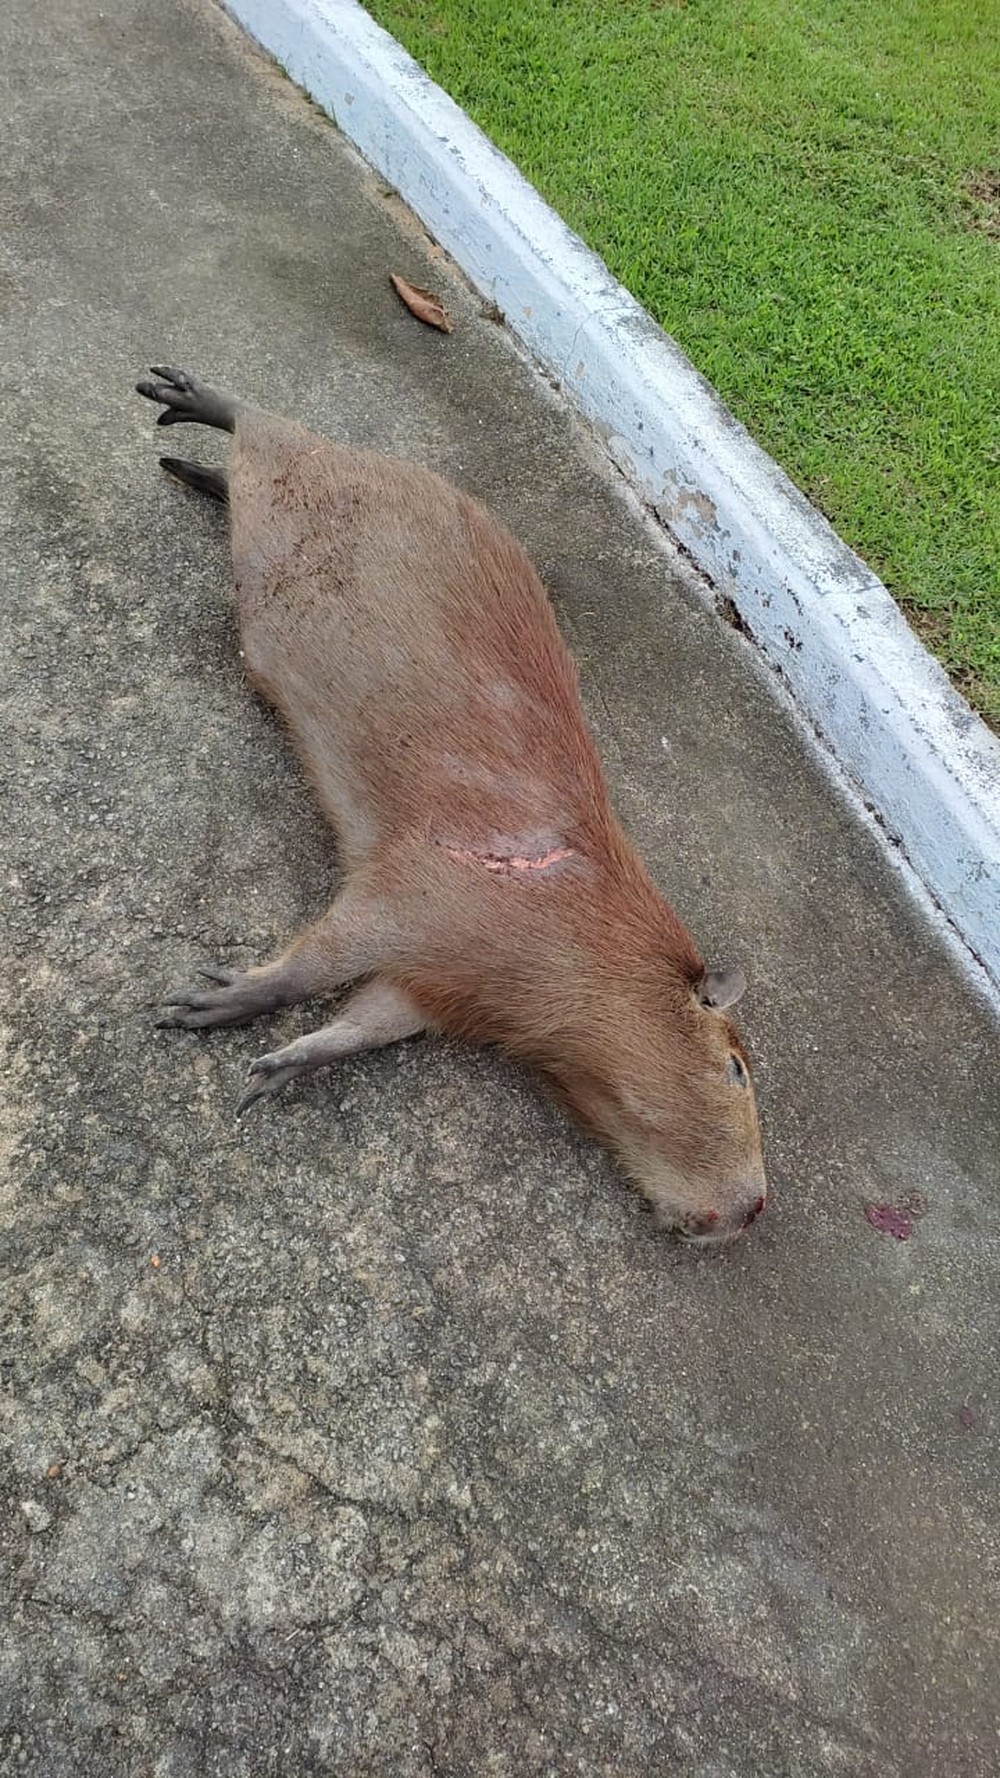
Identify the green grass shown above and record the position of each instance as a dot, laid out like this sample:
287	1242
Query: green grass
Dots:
806	194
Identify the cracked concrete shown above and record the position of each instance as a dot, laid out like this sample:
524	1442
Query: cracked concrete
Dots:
384	1435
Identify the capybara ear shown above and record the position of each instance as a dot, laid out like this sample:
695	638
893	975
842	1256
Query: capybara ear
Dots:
722	987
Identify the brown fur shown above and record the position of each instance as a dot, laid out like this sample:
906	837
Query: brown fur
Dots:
410	646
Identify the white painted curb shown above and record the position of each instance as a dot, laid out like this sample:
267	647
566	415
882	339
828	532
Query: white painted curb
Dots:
923	760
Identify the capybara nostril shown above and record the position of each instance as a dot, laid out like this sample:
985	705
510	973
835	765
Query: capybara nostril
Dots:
700	1228
710	1226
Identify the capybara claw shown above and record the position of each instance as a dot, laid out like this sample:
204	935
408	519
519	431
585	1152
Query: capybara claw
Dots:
264	1076
179	379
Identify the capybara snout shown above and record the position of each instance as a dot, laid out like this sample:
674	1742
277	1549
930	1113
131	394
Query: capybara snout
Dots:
676	1102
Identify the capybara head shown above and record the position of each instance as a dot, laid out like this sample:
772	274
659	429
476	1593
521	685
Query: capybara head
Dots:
664	1080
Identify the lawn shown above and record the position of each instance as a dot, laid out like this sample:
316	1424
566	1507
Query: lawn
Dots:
807	197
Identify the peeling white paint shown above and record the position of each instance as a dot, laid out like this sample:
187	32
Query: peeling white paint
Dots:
919	755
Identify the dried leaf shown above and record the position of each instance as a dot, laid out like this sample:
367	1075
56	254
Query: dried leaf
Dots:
422	303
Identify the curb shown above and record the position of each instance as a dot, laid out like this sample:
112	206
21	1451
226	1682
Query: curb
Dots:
923	761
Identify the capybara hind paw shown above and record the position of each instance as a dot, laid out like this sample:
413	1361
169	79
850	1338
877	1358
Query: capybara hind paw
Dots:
178	394
182	398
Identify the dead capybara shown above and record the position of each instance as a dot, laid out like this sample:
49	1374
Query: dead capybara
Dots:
488	889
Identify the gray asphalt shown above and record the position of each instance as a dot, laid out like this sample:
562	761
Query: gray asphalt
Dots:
384	1434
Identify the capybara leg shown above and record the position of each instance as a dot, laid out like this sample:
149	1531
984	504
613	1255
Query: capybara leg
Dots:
184	398
375	1014
339	948
200	476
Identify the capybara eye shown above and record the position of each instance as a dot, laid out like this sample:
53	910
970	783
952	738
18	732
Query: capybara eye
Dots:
737	1073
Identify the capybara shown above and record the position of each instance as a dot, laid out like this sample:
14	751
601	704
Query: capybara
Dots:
488	889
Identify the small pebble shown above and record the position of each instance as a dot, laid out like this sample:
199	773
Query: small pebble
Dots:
38	1516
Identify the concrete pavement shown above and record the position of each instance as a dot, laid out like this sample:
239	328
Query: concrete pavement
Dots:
383	1435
